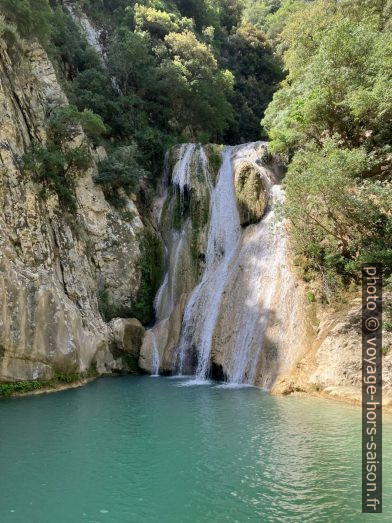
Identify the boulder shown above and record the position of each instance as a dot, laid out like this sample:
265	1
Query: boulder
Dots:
251	194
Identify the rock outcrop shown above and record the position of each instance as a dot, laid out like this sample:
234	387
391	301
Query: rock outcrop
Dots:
251	195
53	266
331	360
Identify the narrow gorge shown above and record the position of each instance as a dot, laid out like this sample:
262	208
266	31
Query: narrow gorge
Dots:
120	264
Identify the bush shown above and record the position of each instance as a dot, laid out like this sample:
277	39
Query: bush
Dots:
24	387
120	170
56	164
70	46
33	18
106	308
10	35
55	170
65	124
337	221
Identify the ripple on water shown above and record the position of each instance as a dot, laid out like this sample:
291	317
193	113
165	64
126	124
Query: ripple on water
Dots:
136	449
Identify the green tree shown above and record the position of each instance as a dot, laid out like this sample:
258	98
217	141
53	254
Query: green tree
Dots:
33	18
332	117
202	91
57	164
257	74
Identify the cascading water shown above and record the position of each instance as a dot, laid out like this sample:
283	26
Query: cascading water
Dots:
223	236
261	257
182	170
176	241
165	298
156	359
182	182
237	319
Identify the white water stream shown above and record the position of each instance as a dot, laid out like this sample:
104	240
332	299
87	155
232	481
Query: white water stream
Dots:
240	315
223	236
156	359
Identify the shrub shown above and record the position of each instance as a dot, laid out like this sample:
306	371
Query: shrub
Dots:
23	387
56	164
120	169
10	35
33	18
55	169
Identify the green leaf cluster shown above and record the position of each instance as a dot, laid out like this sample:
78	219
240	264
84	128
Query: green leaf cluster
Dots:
332	119
56	164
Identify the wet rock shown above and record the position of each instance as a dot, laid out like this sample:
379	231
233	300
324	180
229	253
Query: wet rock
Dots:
127	335
251	193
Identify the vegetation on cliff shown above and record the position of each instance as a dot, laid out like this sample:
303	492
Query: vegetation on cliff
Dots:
205	70
56	164
332	119
173	71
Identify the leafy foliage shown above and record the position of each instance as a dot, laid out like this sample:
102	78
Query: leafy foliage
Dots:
332	118
24	387
256	72
33	18
120	170
56	164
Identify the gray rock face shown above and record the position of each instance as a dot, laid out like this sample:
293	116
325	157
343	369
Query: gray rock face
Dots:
52	265
331	360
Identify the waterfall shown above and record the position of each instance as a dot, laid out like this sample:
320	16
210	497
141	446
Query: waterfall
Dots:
189	159
155	356
223	236
182	170
261	257
227	305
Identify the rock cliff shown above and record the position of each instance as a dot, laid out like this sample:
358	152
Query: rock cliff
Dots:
55	266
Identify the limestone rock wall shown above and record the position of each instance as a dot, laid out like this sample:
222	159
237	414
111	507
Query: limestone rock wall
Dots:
53	265
331	360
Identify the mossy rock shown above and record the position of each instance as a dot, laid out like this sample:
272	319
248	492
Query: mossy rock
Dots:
214	155
251	195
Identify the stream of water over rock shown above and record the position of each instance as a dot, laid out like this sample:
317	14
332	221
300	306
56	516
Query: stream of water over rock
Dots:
239	310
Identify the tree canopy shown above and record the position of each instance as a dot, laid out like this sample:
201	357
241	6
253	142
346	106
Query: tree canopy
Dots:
332	118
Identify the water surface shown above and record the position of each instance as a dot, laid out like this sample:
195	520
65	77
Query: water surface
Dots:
141	449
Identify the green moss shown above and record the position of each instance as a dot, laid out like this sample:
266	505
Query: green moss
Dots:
251	195
151	268
311	296
199	212
130	361
23	387
214	155
387	326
